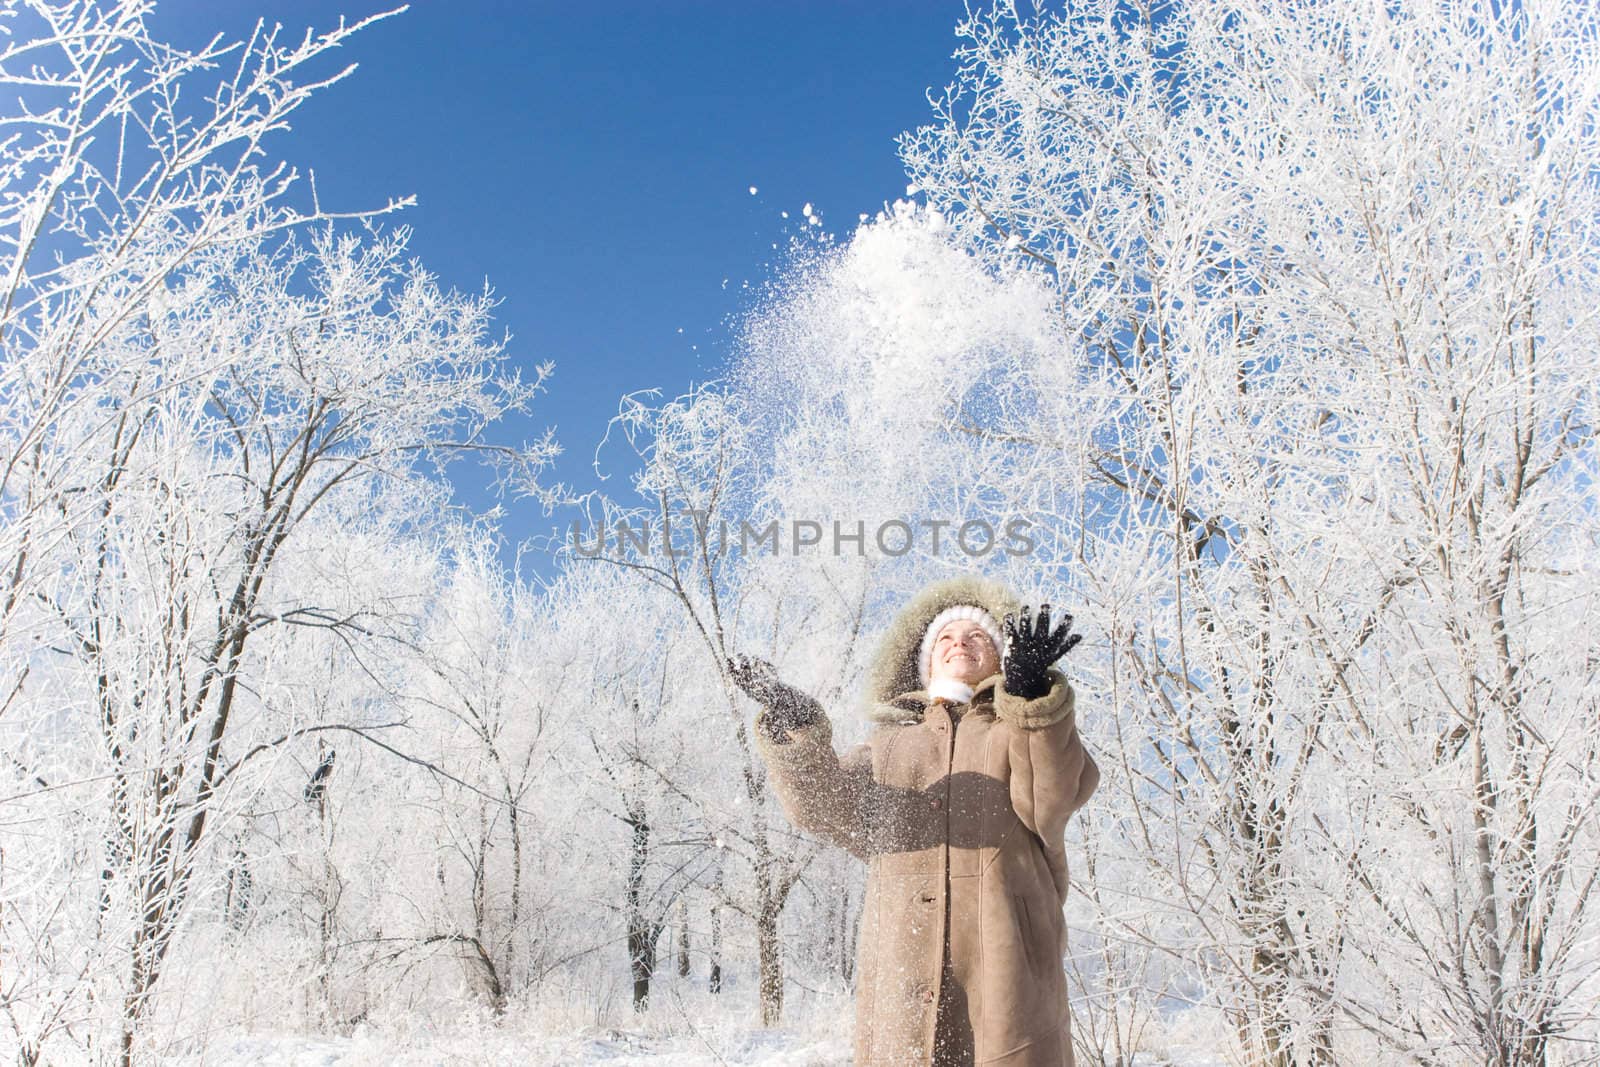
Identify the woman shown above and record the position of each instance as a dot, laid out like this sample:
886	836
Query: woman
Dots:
958	801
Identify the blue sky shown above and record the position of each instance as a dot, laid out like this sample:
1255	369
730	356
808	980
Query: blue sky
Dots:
593	162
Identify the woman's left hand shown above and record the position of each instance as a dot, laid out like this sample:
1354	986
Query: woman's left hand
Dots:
1031	646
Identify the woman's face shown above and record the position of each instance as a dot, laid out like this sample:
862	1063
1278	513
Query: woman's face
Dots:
962	651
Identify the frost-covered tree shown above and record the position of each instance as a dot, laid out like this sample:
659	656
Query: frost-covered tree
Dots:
635	759
125	159
1325	399
703	501
293	379
197	369
490	684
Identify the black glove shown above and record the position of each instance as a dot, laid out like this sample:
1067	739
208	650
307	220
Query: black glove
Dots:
1030	649
787	708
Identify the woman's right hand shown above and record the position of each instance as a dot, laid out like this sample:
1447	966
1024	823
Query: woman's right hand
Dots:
787	707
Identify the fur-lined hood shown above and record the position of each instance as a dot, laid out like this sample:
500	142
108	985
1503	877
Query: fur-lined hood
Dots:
894	692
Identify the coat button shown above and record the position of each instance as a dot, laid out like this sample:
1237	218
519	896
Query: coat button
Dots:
927	996
937	803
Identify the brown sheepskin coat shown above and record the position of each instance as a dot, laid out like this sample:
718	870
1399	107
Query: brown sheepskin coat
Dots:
960	813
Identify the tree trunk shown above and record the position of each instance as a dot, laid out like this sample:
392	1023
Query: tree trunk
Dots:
769	903
516	890
491	976
683	937
715	983
328	894
771	961
642	933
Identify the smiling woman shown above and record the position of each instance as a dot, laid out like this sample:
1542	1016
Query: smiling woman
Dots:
958	801
962	647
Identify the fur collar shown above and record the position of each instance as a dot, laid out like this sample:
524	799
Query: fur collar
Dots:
955	691
909	707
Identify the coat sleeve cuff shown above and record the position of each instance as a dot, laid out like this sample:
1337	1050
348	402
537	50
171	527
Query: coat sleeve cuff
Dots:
798	742
1055	706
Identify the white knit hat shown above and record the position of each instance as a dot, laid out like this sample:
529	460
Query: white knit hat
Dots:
949	615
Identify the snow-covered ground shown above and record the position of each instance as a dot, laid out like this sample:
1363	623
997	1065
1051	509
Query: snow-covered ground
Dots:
474	1046
612	1048
685	1026
573	1024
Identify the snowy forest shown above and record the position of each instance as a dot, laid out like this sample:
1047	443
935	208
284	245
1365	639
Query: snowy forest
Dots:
1276	322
